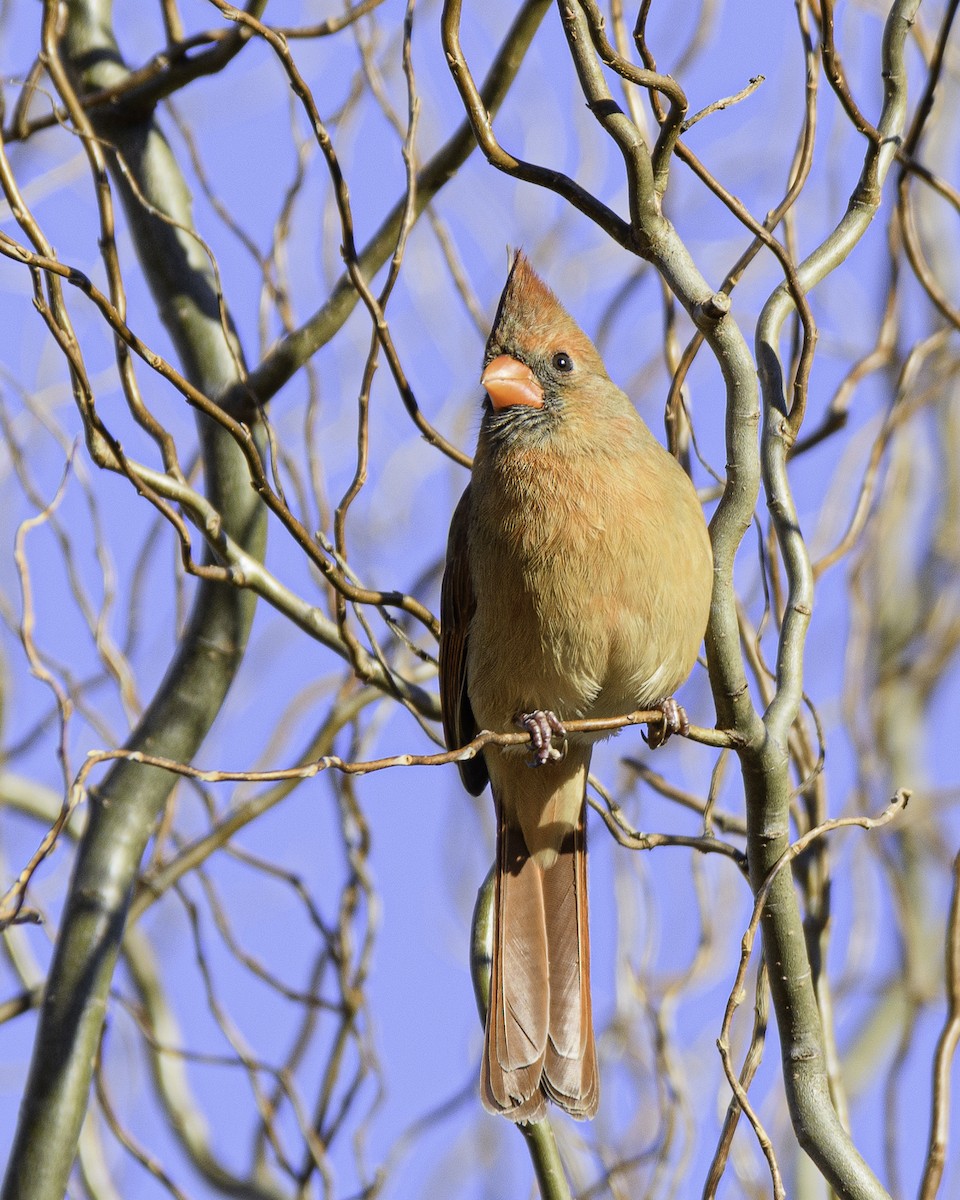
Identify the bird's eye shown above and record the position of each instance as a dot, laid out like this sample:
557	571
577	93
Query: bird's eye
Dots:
562	362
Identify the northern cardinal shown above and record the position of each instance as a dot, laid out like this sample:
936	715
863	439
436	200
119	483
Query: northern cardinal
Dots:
577	584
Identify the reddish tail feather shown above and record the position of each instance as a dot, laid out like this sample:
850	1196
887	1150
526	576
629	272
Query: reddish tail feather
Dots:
539	1035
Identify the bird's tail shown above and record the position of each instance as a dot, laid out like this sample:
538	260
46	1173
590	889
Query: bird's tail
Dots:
539	1034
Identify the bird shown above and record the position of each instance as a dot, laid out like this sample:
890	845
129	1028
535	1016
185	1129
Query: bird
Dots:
577	583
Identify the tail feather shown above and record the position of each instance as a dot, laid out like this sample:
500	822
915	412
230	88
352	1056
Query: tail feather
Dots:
570	1075
517	1020
539	1035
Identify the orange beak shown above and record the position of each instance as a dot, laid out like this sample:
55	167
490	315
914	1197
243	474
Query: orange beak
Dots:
508	382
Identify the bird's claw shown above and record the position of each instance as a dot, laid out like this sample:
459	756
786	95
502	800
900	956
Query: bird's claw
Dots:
542	724
674	721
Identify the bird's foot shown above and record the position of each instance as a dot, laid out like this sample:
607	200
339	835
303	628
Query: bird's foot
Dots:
674	721
542	725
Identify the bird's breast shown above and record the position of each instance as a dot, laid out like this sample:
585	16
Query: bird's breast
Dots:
574	564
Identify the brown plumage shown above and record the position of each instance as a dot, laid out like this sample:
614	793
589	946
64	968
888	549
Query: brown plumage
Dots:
577	581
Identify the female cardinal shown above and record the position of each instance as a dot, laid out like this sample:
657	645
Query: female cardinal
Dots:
577	584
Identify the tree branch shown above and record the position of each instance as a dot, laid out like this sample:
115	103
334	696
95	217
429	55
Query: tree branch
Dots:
131	797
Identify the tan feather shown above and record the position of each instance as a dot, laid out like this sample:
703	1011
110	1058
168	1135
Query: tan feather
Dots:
570	1066
578	580
517	1022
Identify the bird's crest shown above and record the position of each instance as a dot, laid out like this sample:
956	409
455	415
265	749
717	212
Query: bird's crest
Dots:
530	316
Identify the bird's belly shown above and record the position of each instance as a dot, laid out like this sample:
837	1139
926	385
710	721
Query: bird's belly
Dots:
570	649
587	603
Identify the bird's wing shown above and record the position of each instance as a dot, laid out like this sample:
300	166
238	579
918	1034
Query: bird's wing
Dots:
456	609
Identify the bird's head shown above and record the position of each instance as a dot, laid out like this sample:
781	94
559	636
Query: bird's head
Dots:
539	365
